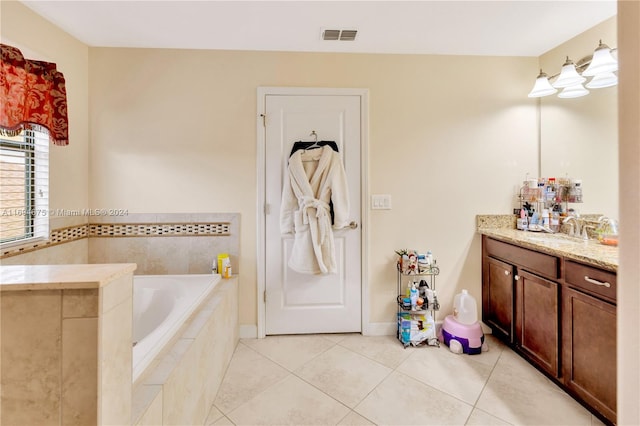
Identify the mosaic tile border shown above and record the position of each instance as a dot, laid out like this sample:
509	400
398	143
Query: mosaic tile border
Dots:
118	230
160	229
56	237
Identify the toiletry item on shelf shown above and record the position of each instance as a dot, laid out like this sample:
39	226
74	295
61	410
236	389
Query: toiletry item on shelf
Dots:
214	266
413	297
429	258
221	258
523	220
422	289
226	268
535	218
554	222
545	218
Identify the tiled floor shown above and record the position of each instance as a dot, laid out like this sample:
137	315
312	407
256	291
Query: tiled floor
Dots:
350	379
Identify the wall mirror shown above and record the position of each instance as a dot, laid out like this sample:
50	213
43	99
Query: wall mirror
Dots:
579	136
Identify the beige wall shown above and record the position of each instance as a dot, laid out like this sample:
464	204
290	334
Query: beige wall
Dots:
579	137
629	272
450	137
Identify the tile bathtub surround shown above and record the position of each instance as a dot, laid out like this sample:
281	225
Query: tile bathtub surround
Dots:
171	243
182	382
350	379
62	325
220	230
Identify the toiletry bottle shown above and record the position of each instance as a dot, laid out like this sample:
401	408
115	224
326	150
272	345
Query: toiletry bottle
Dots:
545	218
414	297
429	258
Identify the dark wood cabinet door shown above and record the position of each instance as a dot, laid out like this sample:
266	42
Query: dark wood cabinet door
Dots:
497	297
589	350
537	330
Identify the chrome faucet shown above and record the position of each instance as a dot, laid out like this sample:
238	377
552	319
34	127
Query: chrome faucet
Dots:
575	230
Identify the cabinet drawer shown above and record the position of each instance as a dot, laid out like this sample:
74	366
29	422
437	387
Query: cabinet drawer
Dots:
593	280
533	261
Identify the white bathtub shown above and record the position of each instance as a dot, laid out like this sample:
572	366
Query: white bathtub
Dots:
161	304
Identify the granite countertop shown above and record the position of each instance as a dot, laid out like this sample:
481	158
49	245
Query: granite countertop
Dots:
590	252
57	277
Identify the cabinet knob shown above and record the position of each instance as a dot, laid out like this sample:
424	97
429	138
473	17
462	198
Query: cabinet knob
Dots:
506	272
517	277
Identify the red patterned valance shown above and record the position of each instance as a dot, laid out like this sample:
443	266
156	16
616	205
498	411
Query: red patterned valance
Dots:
32	93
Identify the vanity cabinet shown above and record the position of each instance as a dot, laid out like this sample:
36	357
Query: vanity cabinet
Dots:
497	297
558	314
521	301
589	336
537	320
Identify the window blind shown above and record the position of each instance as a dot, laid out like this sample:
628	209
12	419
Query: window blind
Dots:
24	187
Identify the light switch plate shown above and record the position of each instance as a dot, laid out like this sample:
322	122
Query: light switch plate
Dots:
381	202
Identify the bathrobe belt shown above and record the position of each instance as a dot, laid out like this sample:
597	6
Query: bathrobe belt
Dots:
323	215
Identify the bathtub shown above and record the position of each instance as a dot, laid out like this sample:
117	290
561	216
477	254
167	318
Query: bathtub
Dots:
161	304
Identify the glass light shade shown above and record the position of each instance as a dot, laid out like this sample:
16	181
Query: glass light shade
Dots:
606	79
542	87
601	62
568	76
574	91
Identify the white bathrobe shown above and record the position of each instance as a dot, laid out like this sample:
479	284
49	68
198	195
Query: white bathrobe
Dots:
315	177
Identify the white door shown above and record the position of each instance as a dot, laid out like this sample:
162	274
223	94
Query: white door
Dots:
301	303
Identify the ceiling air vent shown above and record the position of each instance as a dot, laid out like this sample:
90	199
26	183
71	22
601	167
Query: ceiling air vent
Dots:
348	35
344	35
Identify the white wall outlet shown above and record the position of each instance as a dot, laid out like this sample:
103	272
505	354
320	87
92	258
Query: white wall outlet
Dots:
381	202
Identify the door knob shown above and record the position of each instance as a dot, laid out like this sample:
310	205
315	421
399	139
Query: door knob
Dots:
353	224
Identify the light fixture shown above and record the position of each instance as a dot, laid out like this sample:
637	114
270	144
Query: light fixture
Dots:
601	62
602	66
575	91
542	87
600	81
568	76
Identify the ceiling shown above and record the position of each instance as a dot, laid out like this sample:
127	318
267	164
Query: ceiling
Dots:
476	27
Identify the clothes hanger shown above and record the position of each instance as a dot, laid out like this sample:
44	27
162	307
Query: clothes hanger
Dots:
315	141
312	144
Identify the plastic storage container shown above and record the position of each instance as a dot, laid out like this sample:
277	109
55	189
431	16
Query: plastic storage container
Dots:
465	310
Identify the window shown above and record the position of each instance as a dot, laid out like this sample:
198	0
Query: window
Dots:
24	187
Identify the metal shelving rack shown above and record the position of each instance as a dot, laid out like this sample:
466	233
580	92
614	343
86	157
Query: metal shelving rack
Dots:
428	275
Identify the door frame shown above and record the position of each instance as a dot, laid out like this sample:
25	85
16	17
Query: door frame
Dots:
262	93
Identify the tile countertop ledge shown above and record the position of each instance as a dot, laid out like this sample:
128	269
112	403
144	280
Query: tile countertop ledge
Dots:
57	277
590	252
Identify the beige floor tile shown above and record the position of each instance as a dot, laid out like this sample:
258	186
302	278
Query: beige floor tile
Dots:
222	421
481	418
459	375
511	363
387	350
519	394
213	416
402	400
289	402
248	374
291	352
338	337
354	419
343	374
